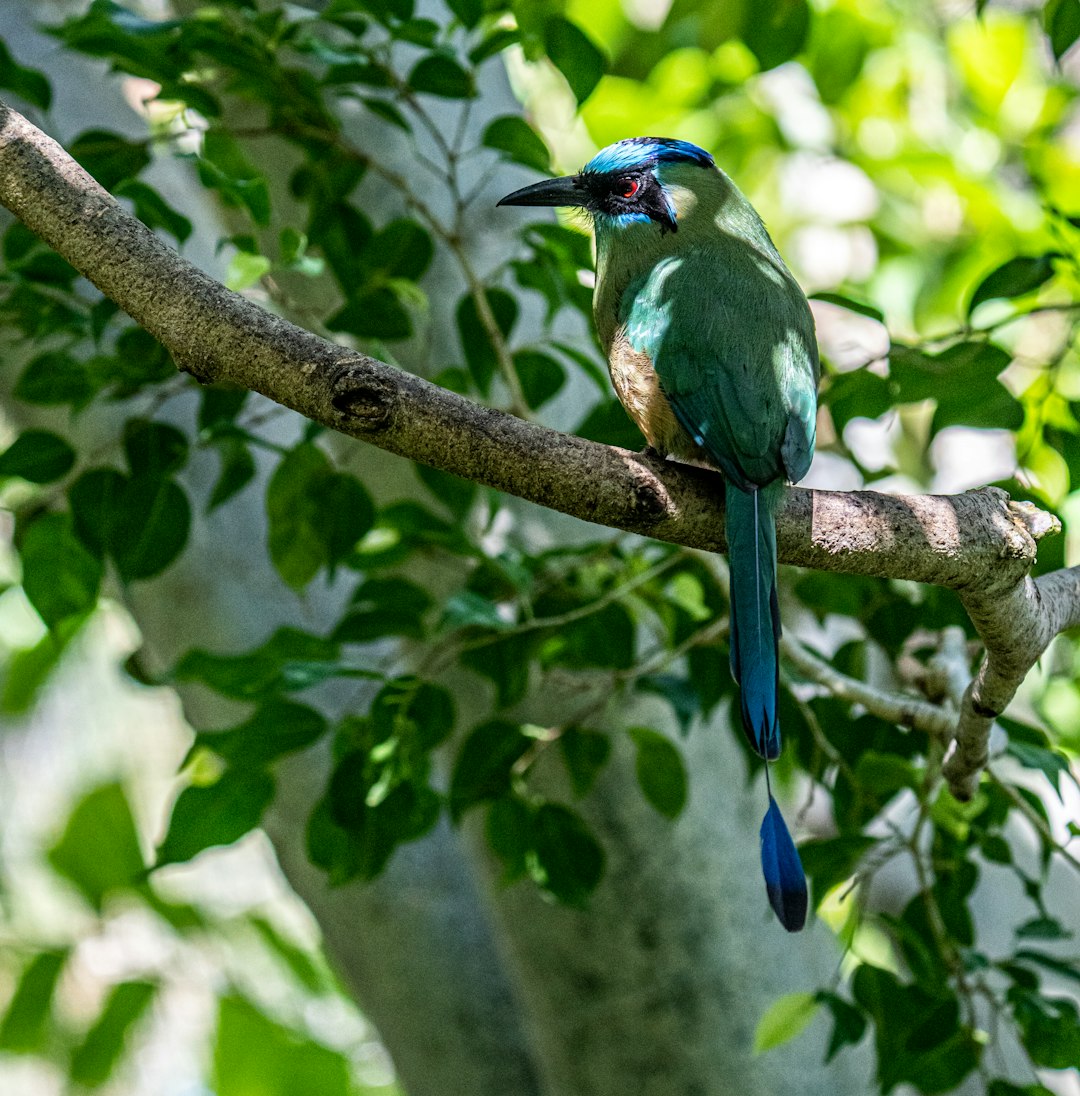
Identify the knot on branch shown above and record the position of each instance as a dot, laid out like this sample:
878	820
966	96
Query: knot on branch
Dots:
649	497
367	399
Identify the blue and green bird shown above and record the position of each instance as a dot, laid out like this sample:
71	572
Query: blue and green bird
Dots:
711	348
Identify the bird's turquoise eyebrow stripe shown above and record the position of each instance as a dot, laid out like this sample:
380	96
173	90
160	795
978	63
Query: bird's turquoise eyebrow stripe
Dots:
711	348
638	152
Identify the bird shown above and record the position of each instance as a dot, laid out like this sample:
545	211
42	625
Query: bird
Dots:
711	349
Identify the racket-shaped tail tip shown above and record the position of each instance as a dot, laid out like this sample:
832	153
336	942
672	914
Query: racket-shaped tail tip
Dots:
785	881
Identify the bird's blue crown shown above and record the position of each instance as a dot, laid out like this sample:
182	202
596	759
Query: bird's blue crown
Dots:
640	152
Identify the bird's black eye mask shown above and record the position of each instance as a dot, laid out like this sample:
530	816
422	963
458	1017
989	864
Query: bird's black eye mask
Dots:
629	195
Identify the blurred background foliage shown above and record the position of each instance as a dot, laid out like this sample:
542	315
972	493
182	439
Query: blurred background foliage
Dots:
918	164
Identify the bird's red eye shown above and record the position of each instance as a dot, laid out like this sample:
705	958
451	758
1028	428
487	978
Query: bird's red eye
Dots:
630	187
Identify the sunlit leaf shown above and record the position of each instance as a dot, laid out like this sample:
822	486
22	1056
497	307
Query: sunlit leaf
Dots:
784	1019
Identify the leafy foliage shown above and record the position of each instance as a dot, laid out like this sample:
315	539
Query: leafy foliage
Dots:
974	233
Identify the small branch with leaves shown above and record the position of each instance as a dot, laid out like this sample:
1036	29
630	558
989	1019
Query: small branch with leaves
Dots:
980	544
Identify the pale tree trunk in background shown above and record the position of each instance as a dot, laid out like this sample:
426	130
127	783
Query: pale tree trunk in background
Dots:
476	990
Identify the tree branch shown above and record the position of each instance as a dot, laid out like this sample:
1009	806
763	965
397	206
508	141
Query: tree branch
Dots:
979	543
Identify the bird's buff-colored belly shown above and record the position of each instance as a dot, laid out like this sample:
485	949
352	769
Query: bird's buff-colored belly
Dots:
638	388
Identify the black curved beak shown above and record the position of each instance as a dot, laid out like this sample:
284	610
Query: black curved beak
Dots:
566	191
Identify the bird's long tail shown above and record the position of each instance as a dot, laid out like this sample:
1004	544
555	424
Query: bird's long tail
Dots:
785	882
755	616
755	638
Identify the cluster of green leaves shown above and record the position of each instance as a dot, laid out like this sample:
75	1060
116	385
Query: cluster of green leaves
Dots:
98	857
613	618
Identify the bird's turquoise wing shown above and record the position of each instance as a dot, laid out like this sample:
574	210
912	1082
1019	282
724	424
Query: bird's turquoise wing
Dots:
732	340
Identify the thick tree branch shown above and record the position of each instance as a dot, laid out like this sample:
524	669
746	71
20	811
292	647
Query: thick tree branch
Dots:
980	543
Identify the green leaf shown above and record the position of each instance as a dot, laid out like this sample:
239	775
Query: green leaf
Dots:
505	662
784	1019
777	32
1049	962
1052	764
498	40
680	692
141	522
383	607
1006	1088
1049	1029
518	141
99	849
438	74
585	753
55	378
919	1037
94	1060
829	861
566	859
24	1028
224	167
963	381
860	307
575	55
219	405
254	1056
374	314
27	83
609	423
27	670
215	814
354	839
1042	928
848	1022
661	773
154	449
1018	276
109	157
60	577
302	962
468	609
482	768
246	270
288	661
1061	18
38	456
476	344
540	374
468	12
316	515
237	470
95	504
152	209
402	249
455	493
408	708
859	394
140	360
151	527
605	638
509	833
276	728
884	774
388	113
